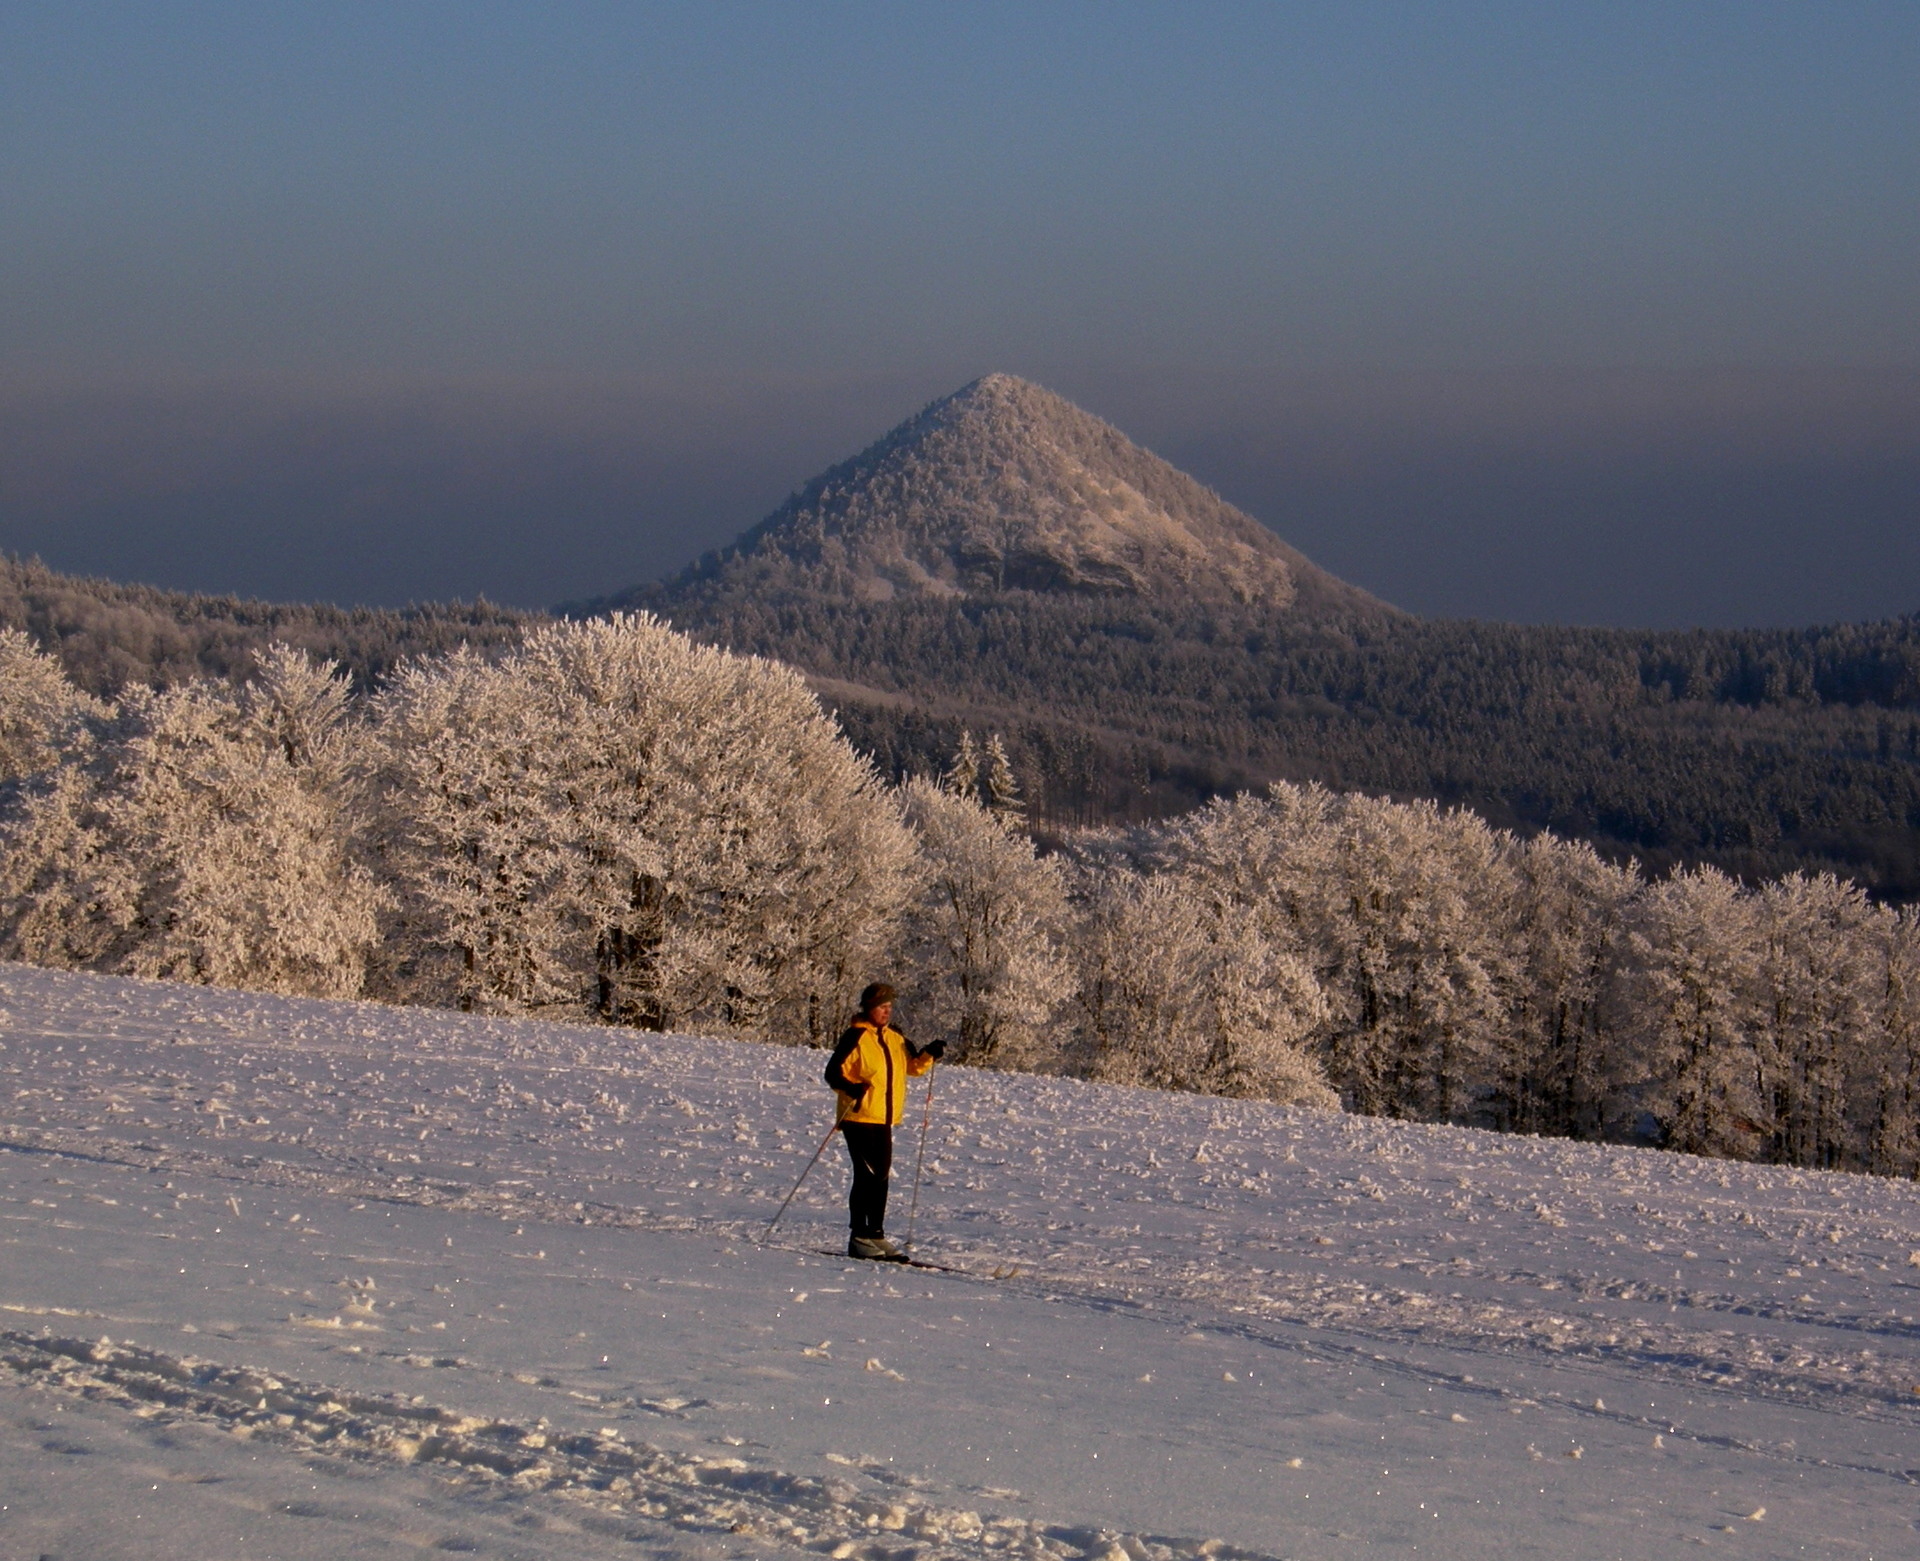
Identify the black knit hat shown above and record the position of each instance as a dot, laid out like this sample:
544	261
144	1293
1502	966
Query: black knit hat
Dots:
875	995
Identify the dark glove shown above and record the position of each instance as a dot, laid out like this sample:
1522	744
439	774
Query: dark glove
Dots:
934	1049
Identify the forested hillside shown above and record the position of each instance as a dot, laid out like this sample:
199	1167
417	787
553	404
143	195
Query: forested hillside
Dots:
108	636
1760	751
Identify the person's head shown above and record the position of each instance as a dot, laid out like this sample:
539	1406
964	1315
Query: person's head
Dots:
876	1002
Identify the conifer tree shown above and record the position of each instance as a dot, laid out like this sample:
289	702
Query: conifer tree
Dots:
963	775
1002	790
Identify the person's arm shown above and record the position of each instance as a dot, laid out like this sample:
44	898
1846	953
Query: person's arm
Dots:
846	1055
921	1058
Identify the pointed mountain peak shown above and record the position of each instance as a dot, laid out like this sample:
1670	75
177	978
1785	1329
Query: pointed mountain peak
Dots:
1005	486
1007	398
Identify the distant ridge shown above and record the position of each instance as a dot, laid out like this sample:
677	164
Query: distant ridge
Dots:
1004	486
110	636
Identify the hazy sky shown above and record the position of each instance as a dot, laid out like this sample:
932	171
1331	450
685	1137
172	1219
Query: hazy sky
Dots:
1604	313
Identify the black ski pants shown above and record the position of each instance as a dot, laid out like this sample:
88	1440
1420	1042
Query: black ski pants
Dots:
870	1147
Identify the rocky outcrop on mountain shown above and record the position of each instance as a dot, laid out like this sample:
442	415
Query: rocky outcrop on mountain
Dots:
1006	487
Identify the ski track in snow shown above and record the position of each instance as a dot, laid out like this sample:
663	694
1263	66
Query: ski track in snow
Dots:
1566	1349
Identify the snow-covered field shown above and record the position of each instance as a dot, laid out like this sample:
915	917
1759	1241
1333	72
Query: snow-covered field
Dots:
303	1279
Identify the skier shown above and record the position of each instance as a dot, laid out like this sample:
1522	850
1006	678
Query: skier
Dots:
868	1071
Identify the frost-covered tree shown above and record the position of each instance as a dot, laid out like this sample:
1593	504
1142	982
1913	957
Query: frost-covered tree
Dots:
304	708
475	837
1885	1087
1690	1058
50	846
1427	945
1821	974
47	840
985	775
191	846
1403	913
1556	1047
1139	948
657	832
963	775
984	940
1184	993
1002	791
745	865
42	715
232	864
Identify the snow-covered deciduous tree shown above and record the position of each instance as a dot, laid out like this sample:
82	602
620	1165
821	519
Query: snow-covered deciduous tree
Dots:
1555	1050
744	865
474	836
1138	947
50	842
47	838
1425	952
1886	1081
1181	992
1820	974
191	846
230	862
42	715
304	708
617	819
1403	912
1691	992
984	940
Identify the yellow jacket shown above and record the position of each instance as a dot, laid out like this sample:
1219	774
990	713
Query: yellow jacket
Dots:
868	1072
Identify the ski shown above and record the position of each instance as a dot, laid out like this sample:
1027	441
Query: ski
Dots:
899	1262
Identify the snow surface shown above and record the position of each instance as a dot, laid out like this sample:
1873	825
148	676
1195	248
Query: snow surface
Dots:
289	1278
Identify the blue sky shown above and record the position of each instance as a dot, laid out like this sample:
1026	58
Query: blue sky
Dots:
1604	313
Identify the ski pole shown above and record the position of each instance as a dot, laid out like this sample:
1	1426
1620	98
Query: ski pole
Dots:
803	1176
920	1155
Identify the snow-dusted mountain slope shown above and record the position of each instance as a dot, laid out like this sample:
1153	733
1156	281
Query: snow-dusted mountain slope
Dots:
385	1282
1001	486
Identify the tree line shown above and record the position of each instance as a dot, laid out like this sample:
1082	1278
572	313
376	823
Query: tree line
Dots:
1761	752
612	824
